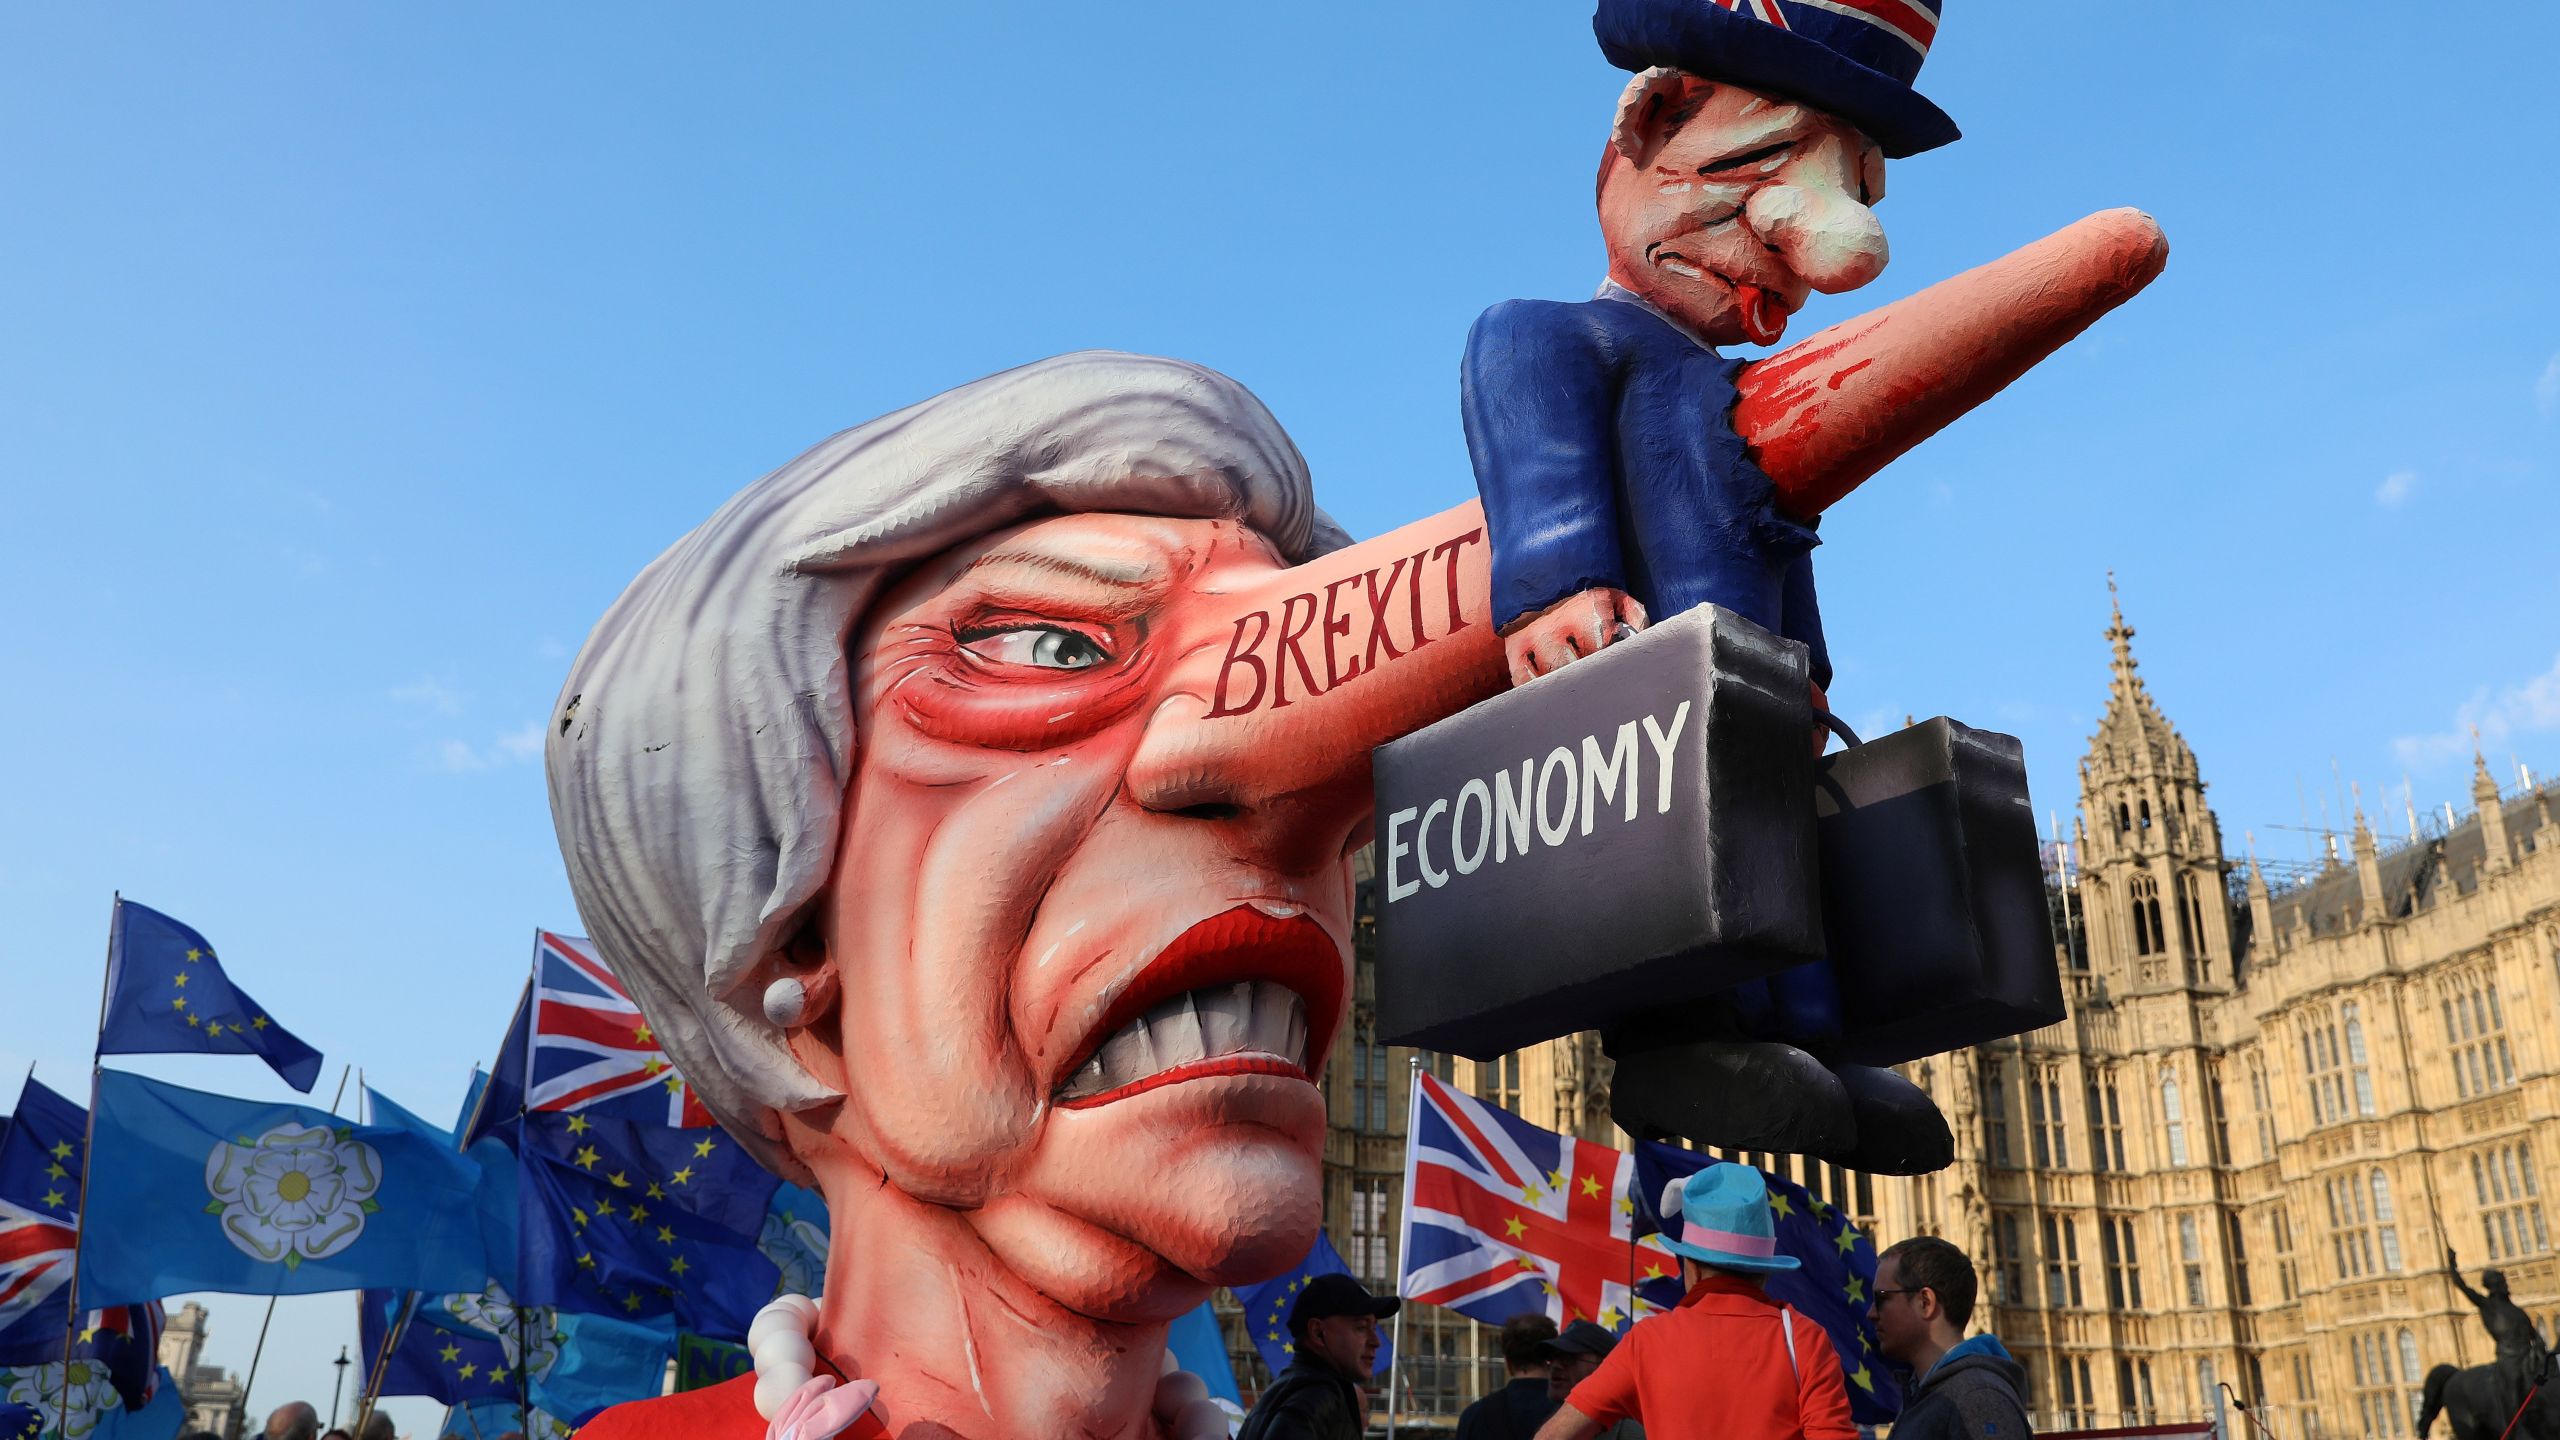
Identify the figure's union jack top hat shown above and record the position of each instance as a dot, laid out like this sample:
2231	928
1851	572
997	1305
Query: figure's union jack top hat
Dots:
1856	59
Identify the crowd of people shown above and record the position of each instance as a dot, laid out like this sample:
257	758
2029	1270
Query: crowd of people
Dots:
1727	1361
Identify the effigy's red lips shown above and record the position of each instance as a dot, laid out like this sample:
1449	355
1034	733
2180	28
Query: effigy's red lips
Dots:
1244	992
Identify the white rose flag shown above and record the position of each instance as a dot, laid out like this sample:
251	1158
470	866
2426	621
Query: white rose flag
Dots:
192	1191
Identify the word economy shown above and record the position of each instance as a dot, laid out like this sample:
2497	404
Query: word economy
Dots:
1551	799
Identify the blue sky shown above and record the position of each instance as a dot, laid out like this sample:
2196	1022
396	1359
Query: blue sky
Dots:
359	355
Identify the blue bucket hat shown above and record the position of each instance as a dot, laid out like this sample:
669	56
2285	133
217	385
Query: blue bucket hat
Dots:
1725	1220
1856	59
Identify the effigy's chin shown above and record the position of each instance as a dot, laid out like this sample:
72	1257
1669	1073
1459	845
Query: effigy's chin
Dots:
1135	1209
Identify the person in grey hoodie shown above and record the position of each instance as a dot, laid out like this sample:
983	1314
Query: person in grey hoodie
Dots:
1961	1389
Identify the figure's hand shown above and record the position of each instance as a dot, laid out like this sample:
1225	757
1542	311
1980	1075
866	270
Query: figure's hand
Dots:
2450	1263
1183	1409
1571	628
821	1409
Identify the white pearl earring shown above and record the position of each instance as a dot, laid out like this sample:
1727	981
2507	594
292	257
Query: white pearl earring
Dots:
786	1002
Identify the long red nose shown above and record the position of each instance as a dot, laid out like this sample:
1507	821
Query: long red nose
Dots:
1284	690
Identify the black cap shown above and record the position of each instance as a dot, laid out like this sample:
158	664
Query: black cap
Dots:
1330	1295
1579	1338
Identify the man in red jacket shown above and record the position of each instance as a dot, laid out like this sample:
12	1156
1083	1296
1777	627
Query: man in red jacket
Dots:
1728	1361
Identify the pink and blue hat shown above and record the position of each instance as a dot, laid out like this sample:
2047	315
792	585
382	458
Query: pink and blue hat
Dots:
1724	1219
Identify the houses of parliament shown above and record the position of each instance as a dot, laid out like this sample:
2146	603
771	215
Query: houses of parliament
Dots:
2239	1160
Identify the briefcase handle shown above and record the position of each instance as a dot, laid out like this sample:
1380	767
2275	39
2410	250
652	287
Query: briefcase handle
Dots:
1839	727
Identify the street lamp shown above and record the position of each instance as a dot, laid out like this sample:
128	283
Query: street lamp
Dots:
338	1389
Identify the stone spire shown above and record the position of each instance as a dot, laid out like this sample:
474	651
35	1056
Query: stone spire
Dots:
2133	737
2493	813
2368	864
2152	869
2127	685
2262	915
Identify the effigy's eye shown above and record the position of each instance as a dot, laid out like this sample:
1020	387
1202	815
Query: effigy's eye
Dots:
1044	647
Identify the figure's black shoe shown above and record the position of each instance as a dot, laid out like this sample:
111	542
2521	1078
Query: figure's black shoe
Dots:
1898	1129
1732	1095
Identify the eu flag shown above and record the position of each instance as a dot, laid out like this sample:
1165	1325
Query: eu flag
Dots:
1833	1286
1266	1306
467	1350
455	1364
167	995
296	1201
639	1221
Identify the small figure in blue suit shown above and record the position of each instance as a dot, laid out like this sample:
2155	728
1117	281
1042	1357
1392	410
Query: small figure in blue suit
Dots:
1742	169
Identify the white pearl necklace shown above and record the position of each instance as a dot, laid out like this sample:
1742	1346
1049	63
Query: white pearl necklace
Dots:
785	1358
778	1340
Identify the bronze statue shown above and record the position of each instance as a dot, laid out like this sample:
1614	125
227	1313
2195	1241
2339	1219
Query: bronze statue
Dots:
2485	1400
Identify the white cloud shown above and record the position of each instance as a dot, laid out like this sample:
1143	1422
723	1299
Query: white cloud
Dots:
2546	388
2396	488
2518	709
429	694
458	756
516	747
524	744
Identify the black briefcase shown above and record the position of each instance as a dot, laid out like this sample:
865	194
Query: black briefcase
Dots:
1627	833
1933	893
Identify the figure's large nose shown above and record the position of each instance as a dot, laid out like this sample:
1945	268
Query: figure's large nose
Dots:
1282	687
1834	242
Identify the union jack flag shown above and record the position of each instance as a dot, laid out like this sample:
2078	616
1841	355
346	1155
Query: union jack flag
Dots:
579	1043
41	1162
35	1258
1502	1217
1913	22
1765	9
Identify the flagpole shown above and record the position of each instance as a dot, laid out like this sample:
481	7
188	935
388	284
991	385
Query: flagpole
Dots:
380	1370
1412	1112
260	1350
88	1140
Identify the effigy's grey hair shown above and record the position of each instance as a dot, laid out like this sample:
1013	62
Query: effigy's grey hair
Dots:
700	750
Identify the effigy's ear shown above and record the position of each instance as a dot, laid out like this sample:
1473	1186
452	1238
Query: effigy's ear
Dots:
803	989
1872	172
1644	113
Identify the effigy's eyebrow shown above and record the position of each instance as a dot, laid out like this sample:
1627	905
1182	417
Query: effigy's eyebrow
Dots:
1100	569
1111	584
1779	127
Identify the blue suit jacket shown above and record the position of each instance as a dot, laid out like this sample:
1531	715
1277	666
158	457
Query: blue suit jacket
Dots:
1603	442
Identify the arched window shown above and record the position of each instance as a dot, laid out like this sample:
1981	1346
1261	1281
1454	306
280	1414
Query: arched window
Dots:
2173	1111
2124	818
2148	937
2409	1356
2387	1232
2146	814
2358	1074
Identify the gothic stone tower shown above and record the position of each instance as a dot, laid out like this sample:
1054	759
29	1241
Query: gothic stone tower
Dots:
2151	852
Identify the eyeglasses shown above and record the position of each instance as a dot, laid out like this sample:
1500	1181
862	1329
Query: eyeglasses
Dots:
1880	1293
